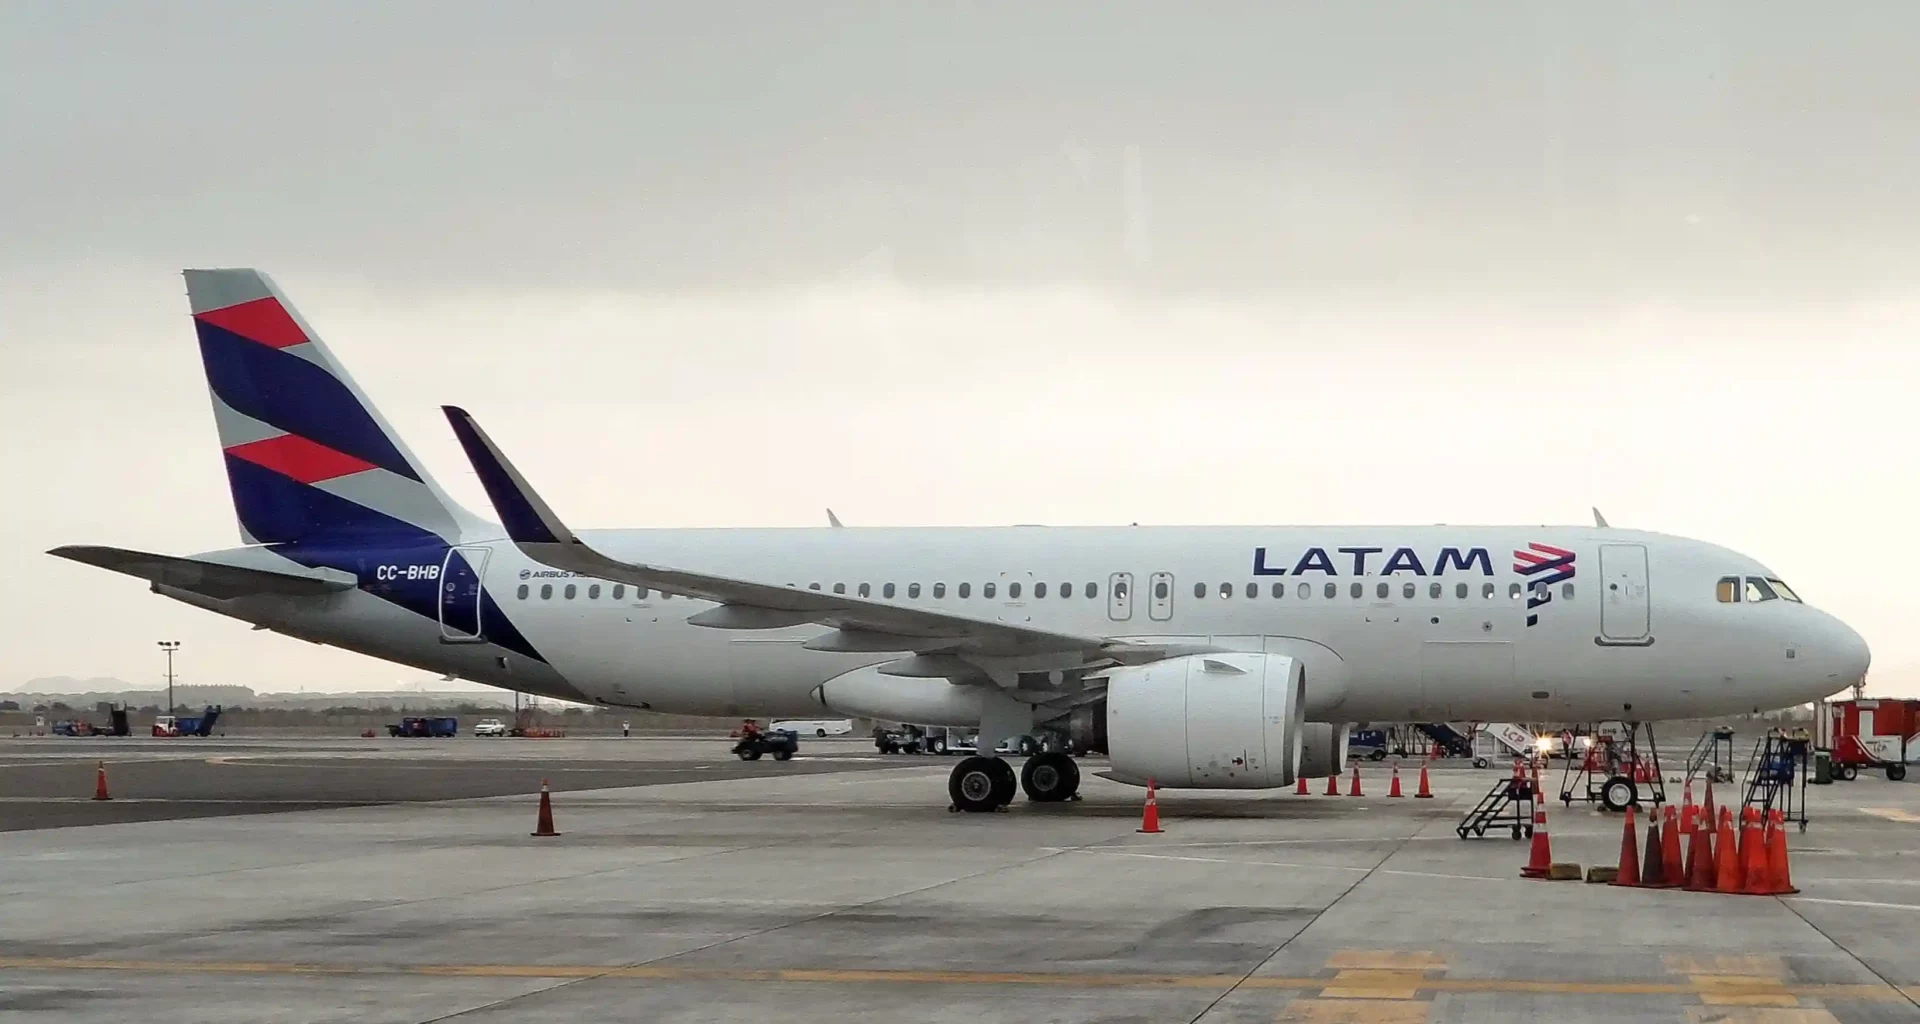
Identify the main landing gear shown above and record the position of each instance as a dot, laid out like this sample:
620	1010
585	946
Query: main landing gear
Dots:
980	784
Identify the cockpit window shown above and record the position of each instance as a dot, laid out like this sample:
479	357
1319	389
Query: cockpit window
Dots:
1785	591
1729	590
1758	590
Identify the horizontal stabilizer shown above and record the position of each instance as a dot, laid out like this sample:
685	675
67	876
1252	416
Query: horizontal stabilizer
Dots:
210	579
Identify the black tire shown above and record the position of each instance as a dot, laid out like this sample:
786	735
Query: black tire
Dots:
783	755
1050	777
1008	779
1846	773
938	745
1619	793
820	733
1896	772
1481	762
750	754
1027	746
975	785
1377	755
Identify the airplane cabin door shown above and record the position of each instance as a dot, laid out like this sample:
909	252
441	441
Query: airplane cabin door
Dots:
1160	597
1624	613
1120	596
461	574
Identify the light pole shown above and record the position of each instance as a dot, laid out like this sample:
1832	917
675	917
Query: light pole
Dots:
169	646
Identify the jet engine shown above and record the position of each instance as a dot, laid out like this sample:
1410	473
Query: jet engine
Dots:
1323	749
1207	721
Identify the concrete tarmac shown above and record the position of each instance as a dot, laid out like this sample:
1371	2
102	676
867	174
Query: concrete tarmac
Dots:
839	888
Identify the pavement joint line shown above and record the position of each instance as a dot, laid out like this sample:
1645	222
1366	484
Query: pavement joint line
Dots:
652	971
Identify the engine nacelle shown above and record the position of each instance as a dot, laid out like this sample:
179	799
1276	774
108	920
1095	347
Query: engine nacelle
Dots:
1323	749
1207	721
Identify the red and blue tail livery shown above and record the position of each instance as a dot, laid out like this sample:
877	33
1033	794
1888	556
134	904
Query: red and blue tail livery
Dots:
307	455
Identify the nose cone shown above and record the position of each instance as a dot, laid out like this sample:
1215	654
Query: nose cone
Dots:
1846	656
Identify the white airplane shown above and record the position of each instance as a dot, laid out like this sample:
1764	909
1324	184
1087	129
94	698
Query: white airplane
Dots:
1206	657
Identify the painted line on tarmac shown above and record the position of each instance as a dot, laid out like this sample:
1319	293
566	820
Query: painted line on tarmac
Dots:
1892	814
1718	986
1852	903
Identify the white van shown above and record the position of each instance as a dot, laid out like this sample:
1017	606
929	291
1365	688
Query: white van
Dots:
815	726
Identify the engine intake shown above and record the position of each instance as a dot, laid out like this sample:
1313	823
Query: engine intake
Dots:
1207	721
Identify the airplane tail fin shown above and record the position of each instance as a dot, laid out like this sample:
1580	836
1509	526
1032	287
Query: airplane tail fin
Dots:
307	455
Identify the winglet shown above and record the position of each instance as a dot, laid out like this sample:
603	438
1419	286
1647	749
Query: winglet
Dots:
527	518
834	521
1599	520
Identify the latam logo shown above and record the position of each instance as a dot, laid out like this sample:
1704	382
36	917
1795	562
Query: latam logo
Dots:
1400	560
1544	565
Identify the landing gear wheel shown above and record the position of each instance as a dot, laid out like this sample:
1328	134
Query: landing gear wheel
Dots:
981	784
1846	773
1896	772
1050	777
1619	794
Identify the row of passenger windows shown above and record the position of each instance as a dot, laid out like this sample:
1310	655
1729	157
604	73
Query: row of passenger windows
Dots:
1753	589
1162	590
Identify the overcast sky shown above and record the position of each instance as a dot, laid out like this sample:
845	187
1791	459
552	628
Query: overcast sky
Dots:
712	264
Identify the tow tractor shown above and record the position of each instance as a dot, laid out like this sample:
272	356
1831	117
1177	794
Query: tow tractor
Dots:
781	743
201	725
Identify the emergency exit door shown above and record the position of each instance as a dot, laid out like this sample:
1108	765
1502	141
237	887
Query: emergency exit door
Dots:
460	578
1624	595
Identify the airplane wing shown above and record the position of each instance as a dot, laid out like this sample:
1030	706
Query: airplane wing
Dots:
222	582
859	624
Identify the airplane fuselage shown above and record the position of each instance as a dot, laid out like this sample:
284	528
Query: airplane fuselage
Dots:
1394	623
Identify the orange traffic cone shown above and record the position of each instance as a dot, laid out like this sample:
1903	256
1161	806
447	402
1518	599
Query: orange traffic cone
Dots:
1753	855
1653	867
1671	866
1425	792
1778	872
100	783
1300	786
1354	789
543	826
1727	877
1393	790
1540	859
1700	858
1687	809
1150	816
1333	784
1629	873
1707	813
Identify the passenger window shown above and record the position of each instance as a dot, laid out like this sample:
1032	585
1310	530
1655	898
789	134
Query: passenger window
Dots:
1408	590
571	590
619	591
913	590
1357	589
1066	590
886	591
1513	591
1433	591
1013	591
1757	590
1119	591
522	592
1253	590
965	590
1160	590
593	592
813	586
1279	590
640	593
1566	591
865	590
839	588
986	590
1460	591
1486	591
664	596
1039	590
939	590
1333	590
1093	590
1226	591
1381	590
546	591
1199	590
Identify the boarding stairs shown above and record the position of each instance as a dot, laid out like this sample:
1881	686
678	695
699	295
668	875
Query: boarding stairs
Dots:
1510	802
